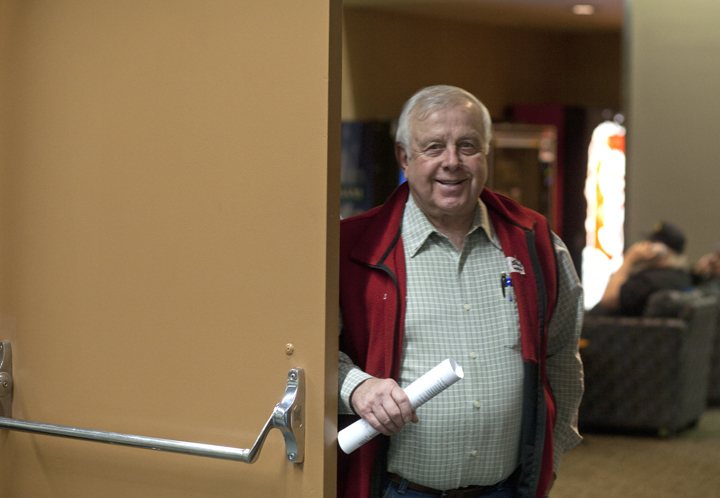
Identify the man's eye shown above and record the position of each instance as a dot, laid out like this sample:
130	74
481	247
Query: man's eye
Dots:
467	147
434	149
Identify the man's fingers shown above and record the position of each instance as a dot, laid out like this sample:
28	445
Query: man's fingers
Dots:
383	404
403	404
377	425
395	417
381	421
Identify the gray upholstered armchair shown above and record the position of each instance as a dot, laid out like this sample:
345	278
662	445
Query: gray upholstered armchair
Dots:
652	372
712	288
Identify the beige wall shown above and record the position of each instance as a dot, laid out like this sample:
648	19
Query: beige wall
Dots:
169	204
6	13
674	119
387	57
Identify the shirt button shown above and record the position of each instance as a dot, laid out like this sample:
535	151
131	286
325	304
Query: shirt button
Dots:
473	355
467	307
474	453
476	404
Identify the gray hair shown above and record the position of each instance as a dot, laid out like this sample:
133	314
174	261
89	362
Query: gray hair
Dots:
442	96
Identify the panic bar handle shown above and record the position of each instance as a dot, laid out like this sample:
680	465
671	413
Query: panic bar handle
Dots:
287	416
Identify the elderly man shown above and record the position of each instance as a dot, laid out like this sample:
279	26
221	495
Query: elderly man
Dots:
448	269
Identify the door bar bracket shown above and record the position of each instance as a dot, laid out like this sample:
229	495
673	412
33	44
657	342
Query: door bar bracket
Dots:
6	380
288	417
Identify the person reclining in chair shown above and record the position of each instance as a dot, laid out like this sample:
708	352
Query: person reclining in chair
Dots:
654	264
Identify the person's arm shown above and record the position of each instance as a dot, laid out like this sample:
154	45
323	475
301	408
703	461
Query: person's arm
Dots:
637	253
381	402
707	267
563	365
349	378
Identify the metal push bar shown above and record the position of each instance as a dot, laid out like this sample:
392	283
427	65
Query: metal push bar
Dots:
287	416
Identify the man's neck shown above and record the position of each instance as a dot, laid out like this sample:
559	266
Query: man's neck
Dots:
453	227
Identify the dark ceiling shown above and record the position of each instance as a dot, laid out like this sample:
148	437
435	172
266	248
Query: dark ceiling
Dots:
539	14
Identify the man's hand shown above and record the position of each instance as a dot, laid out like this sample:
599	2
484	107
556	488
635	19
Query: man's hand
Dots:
383	404
708	266
645	251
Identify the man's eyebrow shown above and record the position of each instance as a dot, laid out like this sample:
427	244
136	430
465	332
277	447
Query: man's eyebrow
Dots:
470	136
438	139
431	140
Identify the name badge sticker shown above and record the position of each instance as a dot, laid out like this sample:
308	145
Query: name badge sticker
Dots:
515	266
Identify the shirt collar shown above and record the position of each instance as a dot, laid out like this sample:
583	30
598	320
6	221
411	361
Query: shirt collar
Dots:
416	228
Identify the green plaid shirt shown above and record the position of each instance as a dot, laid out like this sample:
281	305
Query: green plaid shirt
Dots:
470	434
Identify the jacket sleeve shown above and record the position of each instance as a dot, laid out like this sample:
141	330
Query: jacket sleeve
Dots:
564	366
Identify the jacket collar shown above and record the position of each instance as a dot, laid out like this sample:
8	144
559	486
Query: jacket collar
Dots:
383	231
385	225
417	228
507	209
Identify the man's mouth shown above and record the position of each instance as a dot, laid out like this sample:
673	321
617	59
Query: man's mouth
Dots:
450	182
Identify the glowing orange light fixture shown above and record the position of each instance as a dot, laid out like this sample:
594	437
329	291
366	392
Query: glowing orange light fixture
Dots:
583	9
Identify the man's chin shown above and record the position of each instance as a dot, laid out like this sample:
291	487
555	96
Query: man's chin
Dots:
459	208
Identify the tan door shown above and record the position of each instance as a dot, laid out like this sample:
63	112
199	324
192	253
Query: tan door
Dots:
169	199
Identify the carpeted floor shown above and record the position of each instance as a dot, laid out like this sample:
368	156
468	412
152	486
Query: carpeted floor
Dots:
613	466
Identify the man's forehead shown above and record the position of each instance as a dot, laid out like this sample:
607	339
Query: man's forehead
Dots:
462	104
444	134
429	129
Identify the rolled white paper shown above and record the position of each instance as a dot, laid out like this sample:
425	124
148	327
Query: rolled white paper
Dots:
419	392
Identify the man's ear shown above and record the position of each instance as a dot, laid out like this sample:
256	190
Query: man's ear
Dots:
401	156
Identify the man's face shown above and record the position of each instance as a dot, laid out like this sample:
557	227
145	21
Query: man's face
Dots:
446	170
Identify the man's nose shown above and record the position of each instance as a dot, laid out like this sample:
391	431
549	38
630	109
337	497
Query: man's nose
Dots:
452	158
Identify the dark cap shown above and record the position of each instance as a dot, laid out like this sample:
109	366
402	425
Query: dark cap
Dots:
668	234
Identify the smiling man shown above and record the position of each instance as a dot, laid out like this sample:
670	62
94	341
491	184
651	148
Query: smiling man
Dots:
448	269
